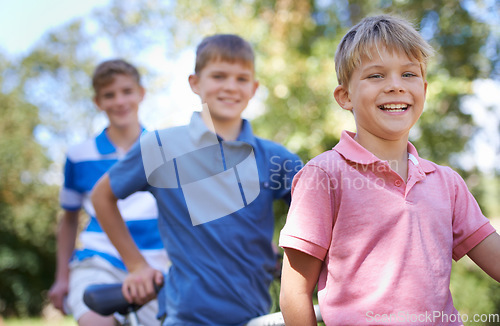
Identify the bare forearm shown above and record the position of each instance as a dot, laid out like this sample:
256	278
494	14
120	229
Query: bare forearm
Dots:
297	309
138	285
66	237
299	277
111	221
487	255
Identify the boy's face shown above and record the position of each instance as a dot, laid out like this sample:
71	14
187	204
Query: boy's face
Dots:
120	100
226	88
386	95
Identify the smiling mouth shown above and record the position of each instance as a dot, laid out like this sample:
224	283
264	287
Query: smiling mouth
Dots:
230	101
394	107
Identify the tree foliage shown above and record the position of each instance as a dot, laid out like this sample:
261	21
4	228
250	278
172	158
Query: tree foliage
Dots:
27	209
296	42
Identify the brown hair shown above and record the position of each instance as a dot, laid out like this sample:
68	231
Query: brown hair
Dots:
106	71
225	47
371	32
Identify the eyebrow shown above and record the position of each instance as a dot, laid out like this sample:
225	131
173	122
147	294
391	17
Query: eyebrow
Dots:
245	73
409	64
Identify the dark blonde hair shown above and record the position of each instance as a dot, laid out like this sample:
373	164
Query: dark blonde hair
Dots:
371	33
224	47
105	73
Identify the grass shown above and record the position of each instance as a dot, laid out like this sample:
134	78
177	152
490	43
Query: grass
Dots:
66	321
50	317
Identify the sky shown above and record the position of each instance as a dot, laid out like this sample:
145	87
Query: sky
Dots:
23	22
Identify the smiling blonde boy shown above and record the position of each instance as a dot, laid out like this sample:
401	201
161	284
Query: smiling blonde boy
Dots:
371	223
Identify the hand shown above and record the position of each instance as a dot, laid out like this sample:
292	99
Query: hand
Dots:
57	293
138	286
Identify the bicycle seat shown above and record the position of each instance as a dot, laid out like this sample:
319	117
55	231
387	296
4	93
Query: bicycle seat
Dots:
106	299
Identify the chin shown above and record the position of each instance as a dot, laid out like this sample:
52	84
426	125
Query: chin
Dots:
122	124
225	116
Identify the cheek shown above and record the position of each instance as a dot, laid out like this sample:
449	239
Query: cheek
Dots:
249	92
209	91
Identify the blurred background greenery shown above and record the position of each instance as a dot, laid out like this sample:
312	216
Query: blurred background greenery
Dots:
45	106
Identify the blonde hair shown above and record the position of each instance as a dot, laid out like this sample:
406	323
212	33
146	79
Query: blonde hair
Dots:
106	71
371	32
225	47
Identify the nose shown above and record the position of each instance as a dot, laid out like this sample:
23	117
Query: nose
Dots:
395	85
120	99
230	84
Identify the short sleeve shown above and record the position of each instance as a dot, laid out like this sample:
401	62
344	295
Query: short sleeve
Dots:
309	222
470	226
127	175
289	165
70	197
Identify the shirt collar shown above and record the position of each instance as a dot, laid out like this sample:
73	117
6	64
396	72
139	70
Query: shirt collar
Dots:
104	144
427	167
351	150
201	135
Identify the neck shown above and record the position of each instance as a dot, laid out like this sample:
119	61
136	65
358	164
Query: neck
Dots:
124	138
229	130
395	152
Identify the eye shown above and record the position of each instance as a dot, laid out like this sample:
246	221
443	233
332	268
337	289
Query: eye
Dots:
243	79
409	74
217	76
375	76
108	95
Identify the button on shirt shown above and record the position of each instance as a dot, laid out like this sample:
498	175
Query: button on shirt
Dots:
386	245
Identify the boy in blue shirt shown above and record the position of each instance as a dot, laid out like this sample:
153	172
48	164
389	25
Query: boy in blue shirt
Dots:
215	183
118	93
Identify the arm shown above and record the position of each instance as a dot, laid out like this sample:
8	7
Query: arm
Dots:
138	286
299	277
487	255
66	237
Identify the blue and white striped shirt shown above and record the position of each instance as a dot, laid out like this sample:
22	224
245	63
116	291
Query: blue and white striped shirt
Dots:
85	164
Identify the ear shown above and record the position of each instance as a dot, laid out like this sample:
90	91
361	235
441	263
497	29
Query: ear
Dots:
142	92
255	87
193	82
341	94
425	88
95	99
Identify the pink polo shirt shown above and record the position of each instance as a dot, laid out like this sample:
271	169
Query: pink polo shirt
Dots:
387	245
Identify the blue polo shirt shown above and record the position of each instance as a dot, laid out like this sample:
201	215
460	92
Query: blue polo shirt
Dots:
221	268
85	164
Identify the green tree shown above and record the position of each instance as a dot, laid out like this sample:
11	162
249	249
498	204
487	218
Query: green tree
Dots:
28	207
296	42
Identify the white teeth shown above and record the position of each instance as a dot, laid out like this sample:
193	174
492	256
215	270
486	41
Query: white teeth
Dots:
394	107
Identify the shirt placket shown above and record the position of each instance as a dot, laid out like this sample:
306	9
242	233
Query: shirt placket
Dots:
415	174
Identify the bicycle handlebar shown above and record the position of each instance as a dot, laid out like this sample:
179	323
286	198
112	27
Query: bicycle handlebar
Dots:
106	299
